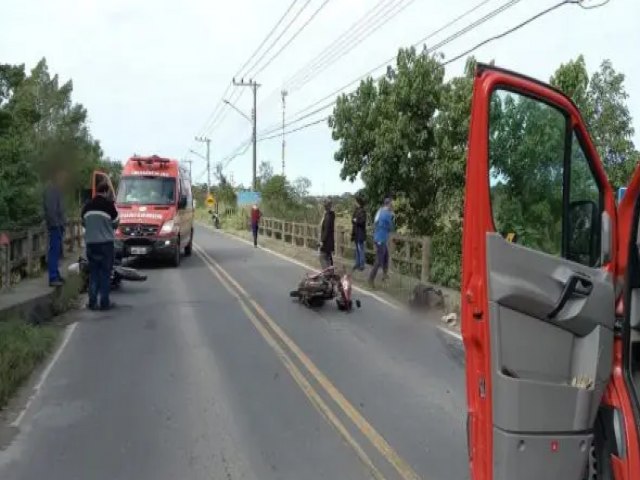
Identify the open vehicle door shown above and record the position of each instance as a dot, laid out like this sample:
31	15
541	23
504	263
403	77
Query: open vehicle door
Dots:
538	314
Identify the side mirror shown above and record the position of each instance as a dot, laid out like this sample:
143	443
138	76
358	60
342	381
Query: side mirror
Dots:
182	202
584	233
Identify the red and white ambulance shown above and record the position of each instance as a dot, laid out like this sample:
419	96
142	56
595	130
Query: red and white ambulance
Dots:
155	206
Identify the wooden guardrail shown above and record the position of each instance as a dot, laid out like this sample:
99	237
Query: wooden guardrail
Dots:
23	252
409	256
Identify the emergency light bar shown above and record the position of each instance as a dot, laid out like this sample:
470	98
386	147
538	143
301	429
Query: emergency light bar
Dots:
163	162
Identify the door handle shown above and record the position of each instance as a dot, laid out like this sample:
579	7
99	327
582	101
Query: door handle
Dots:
576	284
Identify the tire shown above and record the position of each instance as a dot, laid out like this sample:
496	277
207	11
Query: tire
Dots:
175	260
189	248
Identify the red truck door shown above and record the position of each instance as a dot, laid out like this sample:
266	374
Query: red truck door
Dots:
538	314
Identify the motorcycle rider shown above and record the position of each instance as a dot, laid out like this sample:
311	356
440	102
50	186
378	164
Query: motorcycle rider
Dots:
100	219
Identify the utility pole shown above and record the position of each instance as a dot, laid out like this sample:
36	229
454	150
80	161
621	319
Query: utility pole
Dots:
254	114
208	142
284	94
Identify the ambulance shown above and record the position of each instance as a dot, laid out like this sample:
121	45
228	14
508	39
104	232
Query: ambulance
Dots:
155	205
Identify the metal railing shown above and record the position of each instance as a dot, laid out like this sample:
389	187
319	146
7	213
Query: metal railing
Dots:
23	252
409	256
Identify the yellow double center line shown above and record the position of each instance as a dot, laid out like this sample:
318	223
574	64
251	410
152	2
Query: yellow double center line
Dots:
275	336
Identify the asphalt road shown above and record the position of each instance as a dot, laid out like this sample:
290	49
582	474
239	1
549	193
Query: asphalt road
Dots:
210	371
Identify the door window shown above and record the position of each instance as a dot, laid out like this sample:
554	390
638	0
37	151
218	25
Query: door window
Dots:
542	187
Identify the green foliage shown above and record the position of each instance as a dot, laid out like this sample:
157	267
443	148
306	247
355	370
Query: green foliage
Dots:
41	130
22	348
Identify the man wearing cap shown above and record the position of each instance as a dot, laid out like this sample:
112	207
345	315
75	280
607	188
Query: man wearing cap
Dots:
327	236
384	224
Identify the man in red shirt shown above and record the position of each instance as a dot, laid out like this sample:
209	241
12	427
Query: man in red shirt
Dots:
255	223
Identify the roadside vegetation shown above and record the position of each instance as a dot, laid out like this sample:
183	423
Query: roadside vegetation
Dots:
22	348
39	125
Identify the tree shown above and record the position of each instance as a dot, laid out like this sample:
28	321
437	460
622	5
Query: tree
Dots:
602	100
265	173
301	186
386	134
41	129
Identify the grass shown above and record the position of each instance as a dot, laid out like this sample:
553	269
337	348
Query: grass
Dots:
22	348
23	345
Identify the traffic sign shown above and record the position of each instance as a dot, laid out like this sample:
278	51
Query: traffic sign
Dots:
210	200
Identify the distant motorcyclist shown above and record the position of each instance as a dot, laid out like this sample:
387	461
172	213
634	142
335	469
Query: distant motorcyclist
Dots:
327	235
100	218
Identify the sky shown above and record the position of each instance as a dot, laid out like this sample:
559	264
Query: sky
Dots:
152	72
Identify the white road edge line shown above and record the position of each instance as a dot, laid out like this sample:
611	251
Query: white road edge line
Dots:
443	329
45	373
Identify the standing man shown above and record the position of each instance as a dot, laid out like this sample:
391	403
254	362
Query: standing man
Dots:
327	236
359	232
100	218
255	223
55	219
384	224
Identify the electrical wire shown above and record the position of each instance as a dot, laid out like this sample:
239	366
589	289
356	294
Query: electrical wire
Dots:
350	39
457	57
221	105
302	127
517	27
249	72
422	40
293	37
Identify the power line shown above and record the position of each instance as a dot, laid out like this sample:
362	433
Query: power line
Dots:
302	127
282	48
457	57
302	27
387	61
356	37
295	17
520	25
345	34
220	106
490	39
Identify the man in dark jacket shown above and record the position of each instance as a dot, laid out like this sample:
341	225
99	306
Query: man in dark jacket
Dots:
55	220
327	236
359	232
100	218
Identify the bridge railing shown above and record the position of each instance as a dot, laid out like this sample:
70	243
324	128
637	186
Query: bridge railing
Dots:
23	252
408	255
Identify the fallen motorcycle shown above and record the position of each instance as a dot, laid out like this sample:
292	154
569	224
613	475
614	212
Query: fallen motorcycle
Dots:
118	274
314	289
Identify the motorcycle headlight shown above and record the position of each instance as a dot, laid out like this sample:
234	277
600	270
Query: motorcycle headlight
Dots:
168	226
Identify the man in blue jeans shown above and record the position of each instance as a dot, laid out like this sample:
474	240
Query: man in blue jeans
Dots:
100	218
55	221
384	224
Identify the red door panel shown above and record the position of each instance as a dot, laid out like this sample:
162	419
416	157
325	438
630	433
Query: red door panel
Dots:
485	303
